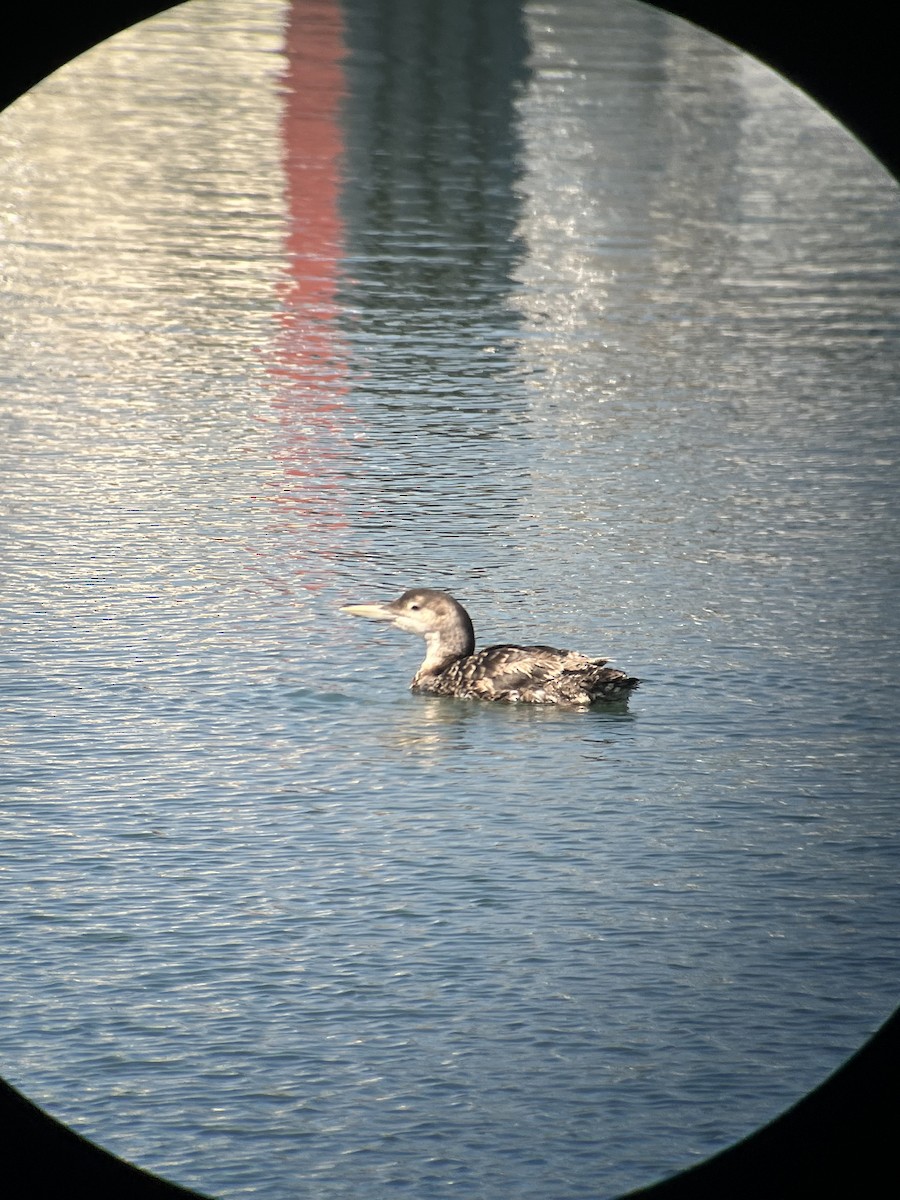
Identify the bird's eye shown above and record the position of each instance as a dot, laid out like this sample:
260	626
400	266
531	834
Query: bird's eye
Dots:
414	607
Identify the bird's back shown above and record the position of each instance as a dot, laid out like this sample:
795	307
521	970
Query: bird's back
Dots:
531	674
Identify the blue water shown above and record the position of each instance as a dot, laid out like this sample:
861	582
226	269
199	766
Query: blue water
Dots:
598	330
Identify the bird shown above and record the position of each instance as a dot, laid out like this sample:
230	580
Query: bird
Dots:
526	674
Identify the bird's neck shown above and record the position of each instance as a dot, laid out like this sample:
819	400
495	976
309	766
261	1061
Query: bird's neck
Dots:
443	648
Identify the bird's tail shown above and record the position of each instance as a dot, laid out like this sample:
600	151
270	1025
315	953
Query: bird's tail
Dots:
610	684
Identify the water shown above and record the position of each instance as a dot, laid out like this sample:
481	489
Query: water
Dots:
573	311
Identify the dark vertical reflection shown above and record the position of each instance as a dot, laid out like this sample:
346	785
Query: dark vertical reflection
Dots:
433	155
400	388
309	356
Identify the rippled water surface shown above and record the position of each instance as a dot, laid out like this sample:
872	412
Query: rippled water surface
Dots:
571	310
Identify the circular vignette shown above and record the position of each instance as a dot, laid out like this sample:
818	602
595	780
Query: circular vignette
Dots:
839	1138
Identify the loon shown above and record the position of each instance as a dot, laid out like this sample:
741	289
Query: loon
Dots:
453	667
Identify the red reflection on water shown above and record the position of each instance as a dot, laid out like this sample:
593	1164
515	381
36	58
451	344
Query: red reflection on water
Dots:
308	356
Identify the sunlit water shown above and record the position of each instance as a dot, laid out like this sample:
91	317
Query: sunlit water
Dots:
581	315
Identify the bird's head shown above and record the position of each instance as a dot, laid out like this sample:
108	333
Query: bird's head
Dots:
433	615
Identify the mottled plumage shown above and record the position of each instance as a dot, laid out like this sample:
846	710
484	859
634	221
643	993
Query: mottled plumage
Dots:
452	666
